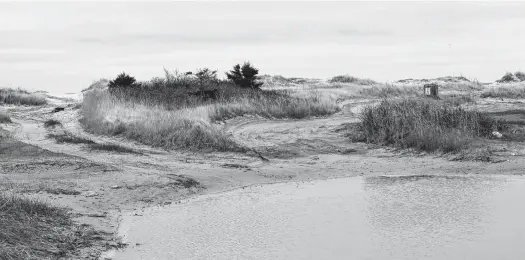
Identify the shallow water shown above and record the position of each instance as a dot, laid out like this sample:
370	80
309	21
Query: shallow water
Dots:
398	217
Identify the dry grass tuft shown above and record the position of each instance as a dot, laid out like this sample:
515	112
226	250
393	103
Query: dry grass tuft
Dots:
67	137
21	97
112	148
32	229
4	118
511	91
423	124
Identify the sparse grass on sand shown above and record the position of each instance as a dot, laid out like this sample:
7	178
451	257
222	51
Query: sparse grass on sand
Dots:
70	138
67	137
52	123
21	97
31	229
4	118
516	91
164	114
385	91
424	124
112	148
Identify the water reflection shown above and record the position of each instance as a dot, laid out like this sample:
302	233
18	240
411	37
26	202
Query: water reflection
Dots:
414	214
395	217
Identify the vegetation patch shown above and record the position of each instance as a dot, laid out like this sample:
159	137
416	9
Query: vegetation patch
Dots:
35	230
112	148
4	118
513	91
52	123
510	77
21	97
67	137
180	111
424	124
386	91
351	79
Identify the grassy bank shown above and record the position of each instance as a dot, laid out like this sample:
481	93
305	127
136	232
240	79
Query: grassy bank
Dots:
512	91
21	97
423	124
167	113
31	229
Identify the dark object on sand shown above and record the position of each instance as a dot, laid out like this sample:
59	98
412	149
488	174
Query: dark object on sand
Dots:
431	90
58	109
206	94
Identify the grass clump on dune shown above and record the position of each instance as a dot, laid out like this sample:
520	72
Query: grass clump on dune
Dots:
351	79
35	230
151	124
180	110
423	124
4	118
513	91
21	97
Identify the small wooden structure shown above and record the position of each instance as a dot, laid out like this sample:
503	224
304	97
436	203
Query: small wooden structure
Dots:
431	90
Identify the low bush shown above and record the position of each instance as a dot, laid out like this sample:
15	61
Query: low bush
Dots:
508	77
21	97
423	124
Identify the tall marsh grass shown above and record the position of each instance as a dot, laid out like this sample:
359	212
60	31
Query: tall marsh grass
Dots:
423	124
21	97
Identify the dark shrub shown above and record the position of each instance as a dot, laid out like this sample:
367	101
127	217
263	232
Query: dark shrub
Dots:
520	75
245	76
508	77
123	81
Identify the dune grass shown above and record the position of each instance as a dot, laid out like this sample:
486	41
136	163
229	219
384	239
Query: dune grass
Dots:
351	79
112	148
164	113
4	118
386	90
67	137
21	97
31	229
516	91
423	124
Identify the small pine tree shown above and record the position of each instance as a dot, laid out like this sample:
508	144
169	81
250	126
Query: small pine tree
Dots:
123	81
245	76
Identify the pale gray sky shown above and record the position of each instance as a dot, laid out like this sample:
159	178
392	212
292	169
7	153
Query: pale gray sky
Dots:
63	47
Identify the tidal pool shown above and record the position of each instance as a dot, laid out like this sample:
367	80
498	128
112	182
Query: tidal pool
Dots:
389	217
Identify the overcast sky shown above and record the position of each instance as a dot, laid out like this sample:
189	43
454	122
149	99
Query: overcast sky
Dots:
63	47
